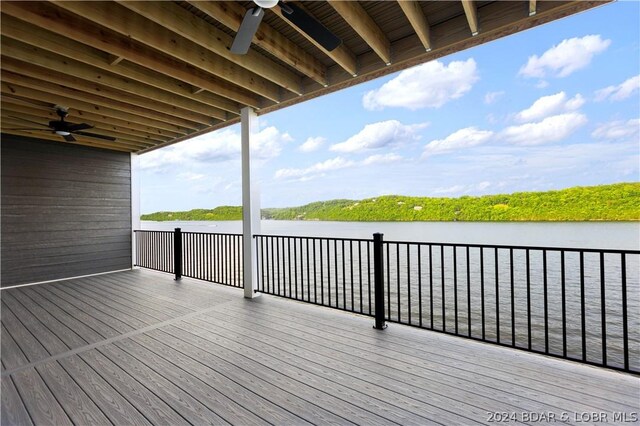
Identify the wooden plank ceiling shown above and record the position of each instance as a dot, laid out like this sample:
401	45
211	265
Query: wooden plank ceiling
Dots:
154	73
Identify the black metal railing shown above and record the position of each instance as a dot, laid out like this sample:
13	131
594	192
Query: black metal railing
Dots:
155	250
213	257
334	272
206	256
579	304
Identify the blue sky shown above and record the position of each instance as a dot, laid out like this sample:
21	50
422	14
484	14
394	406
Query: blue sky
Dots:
553	107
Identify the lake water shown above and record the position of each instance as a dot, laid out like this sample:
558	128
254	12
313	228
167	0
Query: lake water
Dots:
600	235
446	288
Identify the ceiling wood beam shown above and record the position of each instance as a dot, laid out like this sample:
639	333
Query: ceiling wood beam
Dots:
222	95
33	76
44	91
6	122
341	54
47	114
533	7
231	14
131	140
199	31
413	12
155	98
48	109
62	46
358	18
471	12
144	31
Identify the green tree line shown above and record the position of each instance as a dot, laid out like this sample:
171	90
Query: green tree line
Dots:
617	202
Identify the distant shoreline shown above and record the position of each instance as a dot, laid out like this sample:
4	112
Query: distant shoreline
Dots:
603	203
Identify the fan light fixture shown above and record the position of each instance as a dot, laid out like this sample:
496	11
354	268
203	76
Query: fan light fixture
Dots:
62	133
266	4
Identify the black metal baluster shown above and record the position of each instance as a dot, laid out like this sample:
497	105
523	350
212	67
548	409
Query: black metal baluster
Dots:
344	280
360	272
468	294
289	264
583	309
419	286
369	274
564	305
625	325
335	266
455	286
496	272
329	271
388	253
546	301
408	283
528	265
398	279
431	284
513	301
351	263
295	265
279	277
603	310
306	242
321	275
484	325
444	298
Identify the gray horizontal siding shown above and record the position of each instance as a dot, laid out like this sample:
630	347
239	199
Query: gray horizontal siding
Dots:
66	210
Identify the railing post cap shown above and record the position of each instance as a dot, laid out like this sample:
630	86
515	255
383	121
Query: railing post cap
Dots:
177	229
378	235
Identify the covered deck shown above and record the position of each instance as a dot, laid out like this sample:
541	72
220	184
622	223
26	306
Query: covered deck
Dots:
137	347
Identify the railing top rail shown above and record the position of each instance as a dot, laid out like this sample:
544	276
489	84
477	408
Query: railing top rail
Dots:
152	230
212	233
507	247
368	240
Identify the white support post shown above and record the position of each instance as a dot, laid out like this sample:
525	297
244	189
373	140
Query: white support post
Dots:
250	205
135	203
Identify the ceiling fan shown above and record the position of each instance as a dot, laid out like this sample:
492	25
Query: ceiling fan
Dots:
294	14
65	128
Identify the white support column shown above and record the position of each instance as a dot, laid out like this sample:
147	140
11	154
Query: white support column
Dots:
250	205
135	202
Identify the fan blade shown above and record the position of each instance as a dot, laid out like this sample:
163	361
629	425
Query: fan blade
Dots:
93	135
81	126
29	121
310	25
248	28
69	138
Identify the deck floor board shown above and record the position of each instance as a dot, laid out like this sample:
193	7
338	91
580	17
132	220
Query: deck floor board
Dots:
139	348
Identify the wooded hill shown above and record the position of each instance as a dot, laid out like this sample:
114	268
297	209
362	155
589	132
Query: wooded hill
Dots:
617	202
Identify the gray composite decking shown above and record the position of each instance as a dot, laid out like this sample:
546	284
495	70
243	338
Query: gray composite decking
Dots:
137	347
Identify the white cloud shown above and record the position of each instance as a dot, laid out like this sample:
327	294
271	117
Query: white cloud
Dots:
389	133
621	91
550	105
381	159
215	147
617	130
492	97
337	163
551	129
191	176
463	138
318	168
565	58
312	144
429	85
